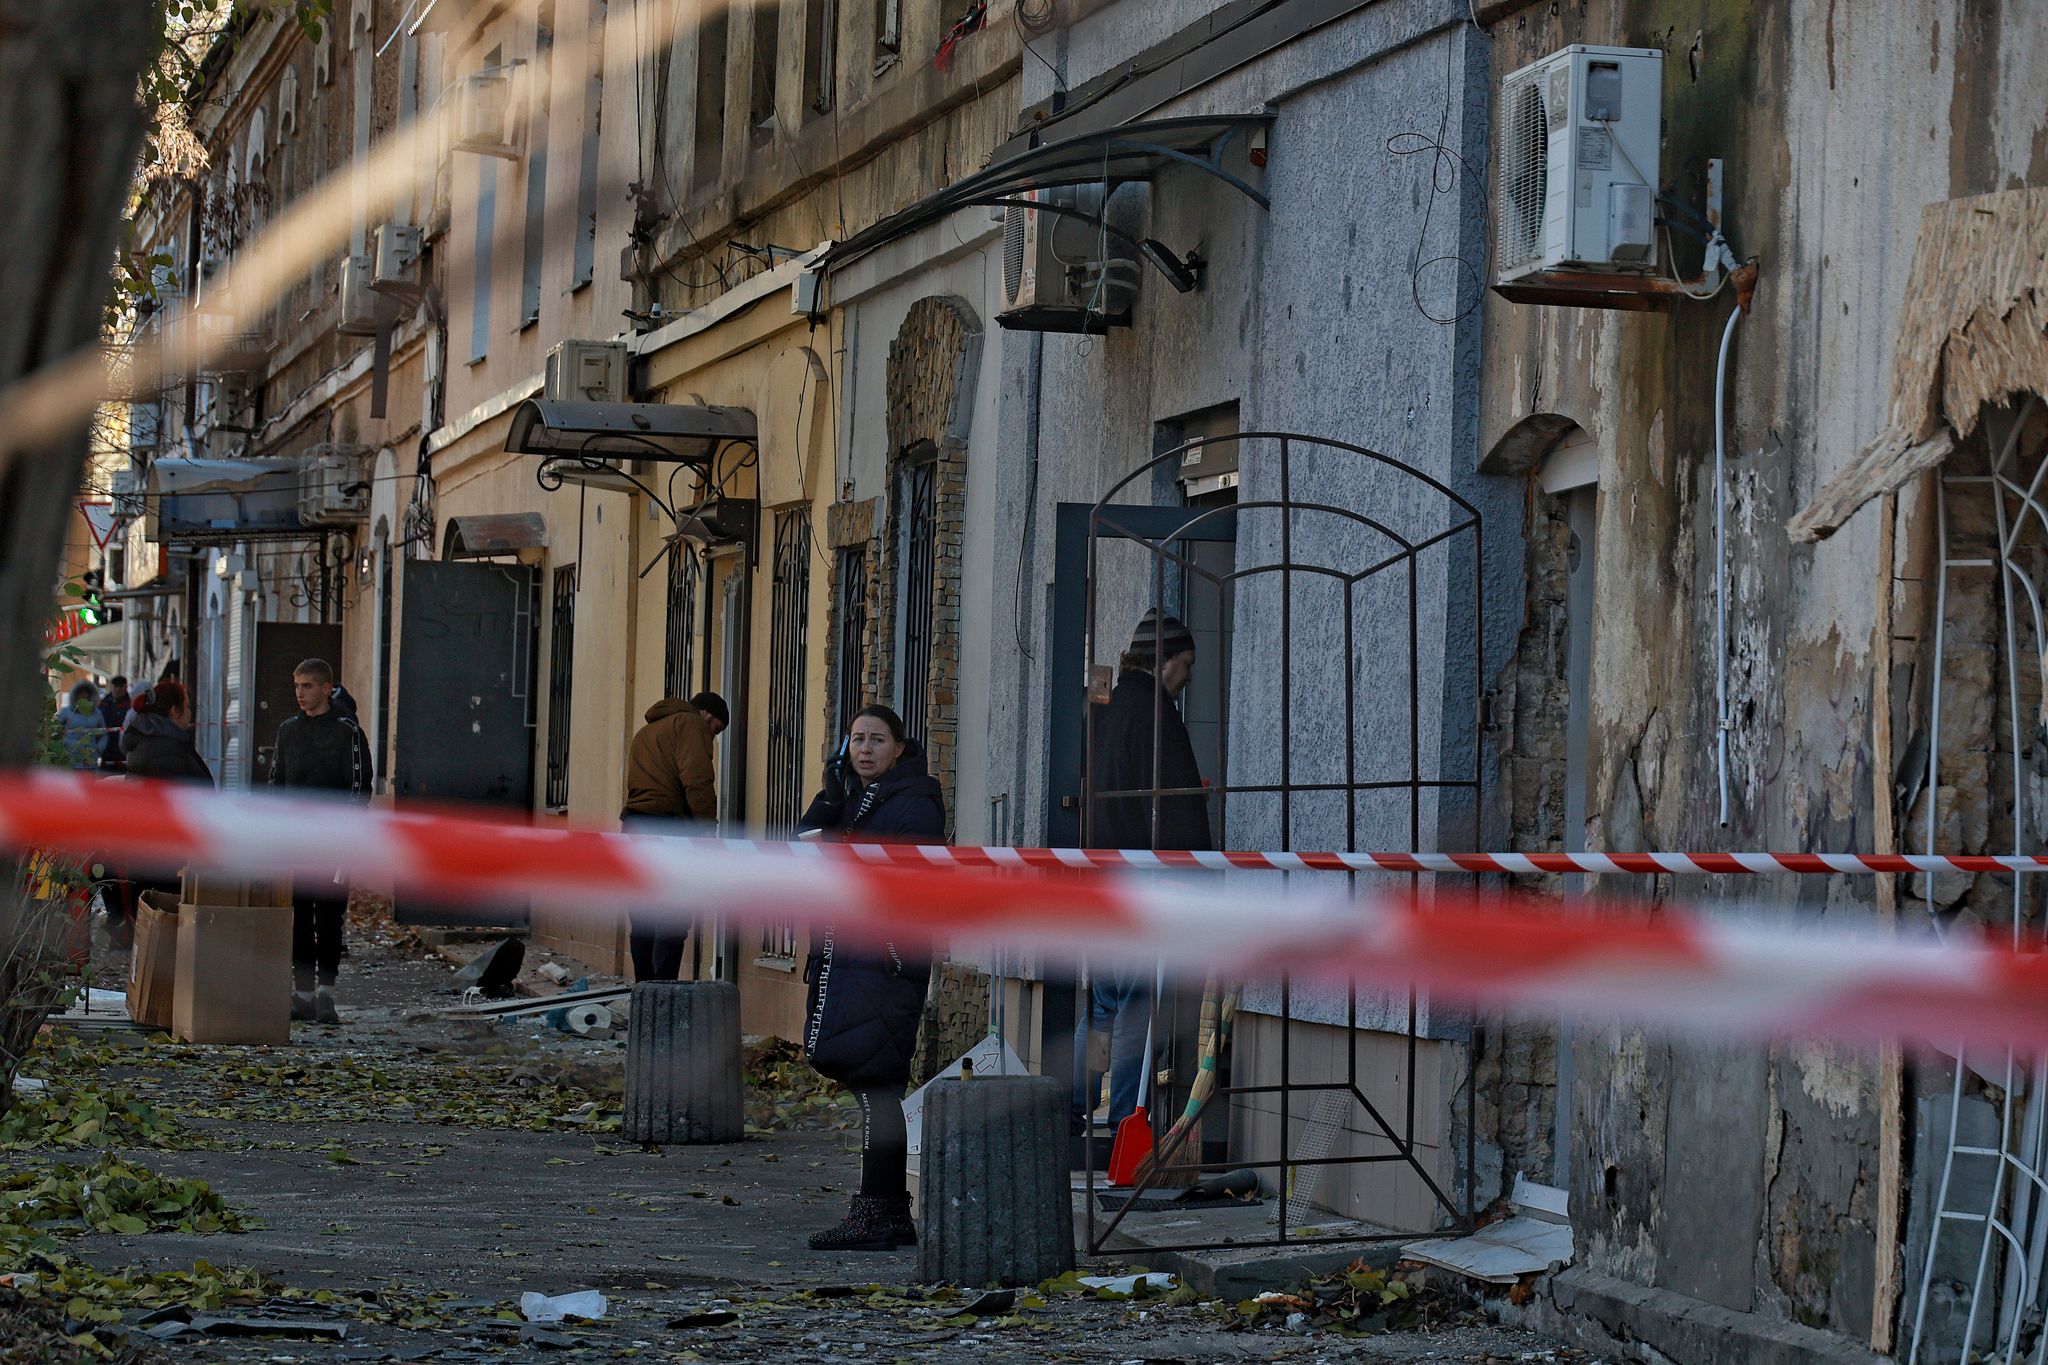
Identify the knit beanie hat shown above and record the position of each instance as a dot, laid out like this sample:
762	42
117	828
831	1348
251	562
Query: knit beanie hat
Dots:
1160	636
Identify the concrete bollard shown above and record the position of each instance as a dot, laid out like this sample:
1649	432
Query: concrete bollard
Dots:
683	1063
994	1203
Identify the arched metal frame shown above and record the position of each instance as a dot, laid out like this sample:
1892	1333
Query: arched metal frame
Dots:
2009	1210
1459	518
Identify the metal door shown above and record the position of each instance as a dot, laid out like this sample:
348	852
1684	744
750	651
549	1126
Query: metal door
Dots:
282	646
465	729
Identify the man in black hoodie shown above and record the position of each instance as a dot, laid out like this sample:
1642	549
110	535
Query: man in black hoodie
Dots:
323	748
1143	708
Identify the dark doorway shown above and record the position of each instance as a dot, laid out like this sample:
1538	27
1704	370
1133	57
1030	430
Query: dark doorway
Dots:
282	646
1200	534
465	711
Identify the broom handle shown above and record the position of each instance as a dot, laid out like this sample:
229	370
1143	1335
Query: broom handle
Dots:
1151	1013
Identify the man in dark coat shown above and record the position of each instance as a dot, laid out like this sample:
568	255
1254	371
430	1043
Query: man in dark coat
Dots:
323	748
1141	748
671	775
114	714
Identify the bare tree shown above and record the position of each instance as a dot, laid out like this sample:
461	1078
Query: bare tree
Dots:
72	125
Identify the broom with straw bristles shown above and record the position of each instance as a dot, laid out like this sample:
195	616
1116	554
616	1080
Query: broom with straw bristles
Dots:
1219	1008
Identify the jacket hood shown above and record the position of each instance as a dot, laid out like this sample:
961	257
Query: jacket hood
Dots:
665	708
148	723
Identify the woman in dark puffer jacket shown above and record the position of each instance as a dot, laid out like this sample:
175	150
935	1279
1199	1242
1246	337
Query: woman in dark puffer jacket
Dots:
861	1027
158	737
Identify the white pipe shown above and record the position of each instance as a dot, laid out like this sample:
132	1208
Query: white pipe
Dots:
1721	555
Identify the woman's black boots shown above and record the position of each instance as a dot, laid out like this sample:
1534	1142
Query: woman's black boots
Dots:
874	1223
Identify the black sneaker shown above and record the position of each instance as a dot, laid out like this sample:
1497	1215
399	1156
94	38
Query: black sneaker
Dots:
303	1011
870	1225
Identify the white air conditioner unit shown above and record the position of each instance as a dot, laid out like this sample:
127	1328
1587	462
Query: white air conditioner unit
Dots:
1062	273
334	485
358	300
1576	185
484	121
586	372
395	271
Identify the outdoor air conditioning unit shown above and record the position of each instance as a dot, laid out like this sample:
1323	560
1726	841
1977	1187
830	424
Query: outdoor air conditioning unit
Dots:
334	485
397	260
1576	187
358	300
1062	273
484	121
586	372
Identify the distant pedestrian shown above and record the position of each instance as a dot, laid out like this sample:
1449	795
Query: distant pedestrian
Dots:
114	715
861	1024
671	775
82	729
158	740
1170	811
324	749
157	745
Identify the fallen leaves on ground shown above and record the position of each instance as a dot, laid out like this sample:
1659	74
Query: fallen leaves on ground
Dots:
782	1090
242	1084
111	1195
77	1115
40	1332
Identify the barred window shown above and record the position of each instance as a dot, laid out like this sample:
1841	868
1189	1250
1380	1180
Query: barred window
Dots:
919	588
679	651
561	673
853	634
788	637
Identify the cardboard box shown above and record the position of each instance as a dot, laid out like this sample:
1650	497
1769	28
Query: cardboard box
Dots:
234	975
213	888
153	966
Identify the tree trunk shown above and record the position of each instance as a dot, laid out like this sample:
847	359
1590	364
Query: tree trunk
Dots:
69	118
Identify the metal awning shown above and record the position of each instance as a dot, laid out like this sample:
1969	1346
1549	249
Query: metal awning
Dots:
680	433
1130	151
502	533
105	638
201	501
1973	330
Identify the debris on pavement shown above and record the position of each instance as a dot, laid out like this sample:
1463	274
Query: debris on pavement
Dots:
587	1304
492	971
1157	1282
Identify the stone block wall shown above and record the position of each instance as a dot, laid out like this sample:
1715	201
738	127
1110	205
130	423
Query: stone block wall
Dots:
1515	1078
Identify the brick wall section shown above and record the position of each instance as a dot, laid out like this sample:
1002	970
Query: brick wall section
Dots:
930	377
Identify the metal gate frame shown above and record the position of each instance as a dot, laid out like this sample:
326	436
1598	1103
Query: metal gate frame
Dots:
2014	1214
1458	517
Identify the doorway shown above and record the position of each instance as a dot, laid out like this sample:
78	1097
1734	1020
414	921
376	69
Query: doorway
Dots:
466	724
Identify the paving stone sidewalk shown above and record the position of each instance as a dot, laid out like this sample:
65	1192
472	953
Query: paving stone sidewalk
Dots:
449	1167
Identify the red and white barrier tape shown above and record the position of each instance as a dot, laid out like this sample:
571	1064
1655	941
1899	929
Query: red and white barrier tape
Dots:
1516	863
1749	977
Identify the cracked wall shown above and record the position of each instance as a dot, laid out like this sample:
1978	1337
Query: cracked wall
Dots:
1749	1178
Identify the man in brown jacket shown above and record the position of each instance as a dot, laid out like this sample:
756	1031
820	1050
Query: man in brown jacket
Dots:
671	776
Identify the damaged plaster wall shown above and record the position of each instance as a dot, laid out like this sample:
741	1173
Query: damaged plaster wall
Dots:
1747	1177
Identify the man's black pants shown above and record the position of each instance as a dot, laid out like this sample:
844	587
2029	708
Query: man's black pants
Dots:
657	945
316	938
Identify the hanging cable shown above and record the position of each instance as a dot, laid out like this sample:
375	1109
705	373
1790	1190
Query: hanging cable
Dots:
1721	723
